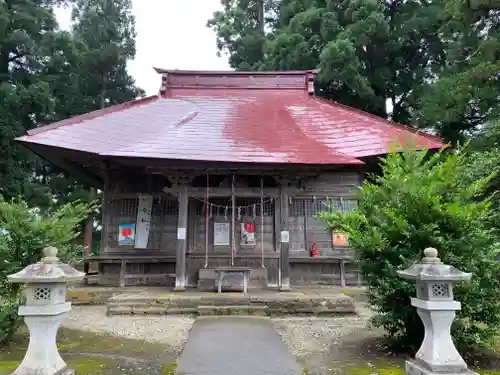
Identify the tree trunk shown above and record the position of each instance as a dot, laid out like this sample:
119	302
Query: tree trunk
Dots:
89	225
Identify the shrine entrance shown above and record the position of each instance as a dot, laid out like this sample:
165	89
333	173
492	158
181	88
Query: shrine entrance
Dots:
236	234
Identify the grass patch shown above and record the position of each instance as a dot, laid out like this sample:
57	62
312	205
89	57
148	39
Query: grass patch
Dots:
93	354
169	369
390	368
82	365
75	341
381	368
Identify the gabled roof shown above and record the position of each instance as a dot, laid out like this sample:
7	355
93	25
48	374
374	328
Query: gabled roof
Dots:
264	117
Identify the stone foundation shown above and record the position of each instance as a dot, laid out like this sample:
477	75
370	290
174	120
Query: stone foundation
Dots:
269	304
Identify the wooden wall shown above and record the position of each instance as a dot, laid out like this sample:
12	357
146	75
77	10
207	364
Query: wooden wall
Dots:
330	271
197	223
337	188
122	208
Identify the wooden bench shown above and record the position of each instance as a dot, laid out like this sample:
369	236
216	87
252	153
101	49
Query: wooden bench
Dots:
123	260
222	271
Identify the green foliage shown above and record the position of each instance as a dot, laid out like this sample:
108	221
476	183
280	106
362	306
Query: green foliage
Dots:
24	96
368	51
435	62
24	232
421	200
466	94
9	319
48	75
106	32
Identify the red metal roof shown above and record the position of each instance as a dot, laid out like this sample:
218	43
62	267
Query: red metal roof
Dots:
232	117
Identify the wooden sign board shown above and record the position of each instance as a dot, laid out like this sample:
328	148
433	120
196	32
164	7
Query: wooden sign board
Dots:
340	239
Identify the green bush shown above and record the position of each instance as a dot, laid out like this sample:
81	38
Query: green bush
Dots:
417	201
24	233
9	320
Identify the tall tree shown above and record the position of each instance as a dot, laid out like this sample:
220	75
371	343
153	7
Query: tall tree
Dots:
465	97
87	72
369	52
106	31
25	98
239	33
47	75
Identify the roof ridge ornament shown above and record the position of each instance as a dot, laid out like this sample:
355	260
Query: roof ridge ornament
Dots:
310	84
164	84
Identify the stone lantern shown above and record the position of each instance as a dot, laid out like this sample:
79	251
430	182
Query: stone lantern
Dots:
46	285
436	308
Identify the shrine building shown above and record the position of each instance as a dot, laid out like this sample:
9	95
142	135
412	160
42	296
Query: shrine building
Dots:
223	169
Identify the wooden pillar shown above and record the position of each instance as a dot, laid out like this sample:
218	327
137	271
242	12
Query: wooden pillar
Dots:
89	228
104	211
342	273
104	221
180	260
285	239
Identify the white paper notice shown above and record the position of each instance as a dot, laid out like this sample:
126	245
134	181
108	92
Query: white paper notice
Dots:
143	221
285	236
221	234
181	233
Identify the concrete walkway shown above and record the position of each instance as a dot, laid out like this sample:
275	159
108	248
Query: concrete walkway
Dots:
236	346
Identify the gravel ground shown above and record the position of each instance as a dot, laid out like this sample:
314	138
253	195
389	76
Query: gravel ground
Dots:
318	343
323	345
170	330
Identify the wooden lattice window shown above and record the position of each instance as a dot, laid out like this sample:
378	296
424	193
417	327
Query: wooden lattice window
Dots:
164	215
304	225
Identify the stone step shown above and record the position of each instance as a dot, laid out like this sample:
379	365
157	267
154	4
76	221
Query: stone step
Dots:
148	310
231	304
261	310
181	302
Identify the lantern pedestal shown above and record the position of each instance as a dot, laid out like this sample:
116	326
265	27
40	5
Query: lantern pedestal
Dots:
46	287
42	356
438	352
415	368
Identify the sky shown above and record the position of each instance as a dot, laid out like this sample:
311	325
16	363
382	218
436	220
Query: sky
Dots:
171	34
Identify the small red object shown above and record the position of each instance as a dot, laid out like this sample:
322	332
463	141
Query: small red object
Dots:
314	248
126	232
250	227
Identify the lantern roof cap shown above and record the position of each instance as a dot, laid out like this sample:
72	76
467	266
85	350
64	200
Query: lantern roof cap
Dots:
48	270
432	269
